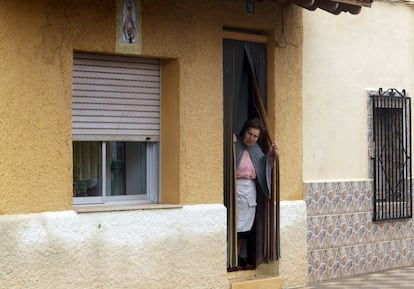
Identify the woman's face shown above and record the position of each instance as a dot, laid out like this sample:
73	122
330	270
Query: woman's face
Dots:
250	137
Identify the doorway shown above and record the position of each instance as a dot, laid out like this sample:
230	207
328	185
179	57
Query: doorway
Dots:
239	59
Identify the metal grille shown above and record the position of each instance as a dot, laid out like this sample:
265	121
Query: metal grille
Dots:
392	184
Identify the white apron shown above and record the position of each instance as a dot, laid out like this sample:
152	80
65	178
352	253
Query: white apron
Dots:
246	204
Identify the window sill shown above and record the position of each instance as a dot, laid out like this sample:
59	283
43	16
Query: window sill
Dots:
121	207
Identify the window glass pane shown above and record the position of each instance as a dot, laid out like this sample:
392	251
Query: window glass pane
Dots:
126	168
87	177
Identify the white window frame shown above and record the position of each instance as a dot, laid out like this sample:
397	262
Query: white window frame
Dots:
152	176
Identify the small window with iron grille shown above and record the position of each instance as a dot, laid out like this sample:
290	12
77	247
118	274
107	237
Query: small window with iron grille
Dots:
391	155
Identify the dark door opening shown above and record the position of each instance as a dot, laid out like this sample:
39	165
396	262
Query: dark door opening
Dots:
239	106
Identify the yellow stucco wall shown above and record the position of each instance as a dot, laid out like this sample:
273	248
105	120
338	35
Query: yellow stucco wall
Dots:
35	167
200	161
37	39
288	110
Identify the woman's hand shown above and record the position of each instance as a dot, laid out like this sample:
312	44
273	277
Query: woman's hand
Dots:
234	137
273	152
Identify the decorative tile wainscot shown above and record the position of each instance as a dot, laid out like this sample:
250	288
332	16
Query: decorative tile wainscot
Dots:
343	240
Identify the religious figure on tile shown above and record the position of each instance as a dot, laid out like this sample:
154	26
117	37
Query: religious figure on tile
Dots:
129	28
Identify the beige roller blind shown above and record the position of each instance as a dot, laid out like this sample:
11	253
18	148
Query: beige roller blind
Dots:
115	98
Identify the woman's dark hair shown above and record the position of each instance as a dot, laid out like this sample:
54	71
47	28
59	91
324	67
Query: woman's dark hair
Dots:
253	123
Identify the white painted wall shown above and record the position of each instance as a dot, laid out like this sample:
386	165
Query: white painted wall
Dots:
343	56
167	248
293	264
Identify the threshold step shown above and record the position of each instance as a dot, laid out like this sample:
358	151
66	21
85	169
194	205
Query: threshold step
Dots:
254	282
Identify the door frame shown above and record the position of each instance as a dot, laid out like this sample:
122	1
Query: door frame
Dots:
229	185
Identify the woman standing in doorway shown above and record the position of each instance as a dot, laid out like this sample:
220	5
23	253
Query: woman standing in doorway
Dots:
253	169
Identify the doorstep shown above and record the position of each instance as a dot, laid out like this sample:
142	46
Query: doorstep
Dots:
249	280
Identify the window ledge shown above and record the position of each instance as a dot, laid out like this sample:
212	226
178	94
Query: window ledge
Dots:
121	207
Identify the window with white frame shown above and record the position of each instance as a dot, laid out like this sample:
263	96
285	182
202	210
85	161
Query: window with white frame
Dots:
115	128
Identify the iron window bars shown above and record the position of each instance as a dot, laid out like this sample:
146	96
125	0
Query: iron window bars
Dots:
392	185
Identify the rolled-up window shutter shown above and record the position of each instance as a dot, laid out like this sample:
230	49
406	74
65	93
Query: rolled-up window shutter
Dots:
115	98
